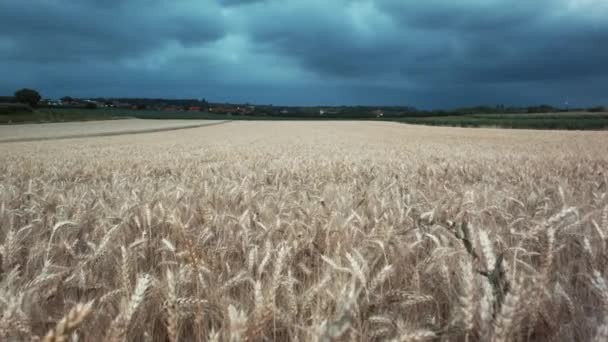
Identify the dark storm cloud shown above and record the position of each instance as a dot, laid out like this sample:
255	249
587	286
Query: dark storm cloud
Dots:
432	53
465	15
47	31
455	43
521	41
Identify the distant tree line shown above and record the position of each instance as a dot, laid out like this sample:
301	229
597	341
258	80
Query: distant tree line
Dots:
32	98
151	103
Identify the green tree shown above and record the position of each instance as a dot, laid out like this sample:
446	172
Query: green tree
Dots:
28	96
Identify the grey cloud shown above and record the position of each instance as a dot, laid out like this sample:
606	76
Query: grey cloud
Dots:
47	31
238	2
466	16
455	42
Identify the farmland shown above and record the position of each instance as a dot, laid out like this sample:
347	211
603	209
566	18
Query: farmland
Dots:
568	120
474	117
293	230
49	131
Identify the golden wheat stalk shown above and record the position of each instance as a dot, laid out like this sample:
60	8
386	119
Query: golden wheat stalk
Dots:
68	323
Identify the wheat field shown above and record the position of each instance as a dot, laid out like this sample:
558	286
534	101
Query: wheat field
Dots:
306	231
47	131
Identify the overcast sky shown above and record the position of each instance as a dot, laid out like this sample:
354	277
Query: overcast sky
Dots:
429	54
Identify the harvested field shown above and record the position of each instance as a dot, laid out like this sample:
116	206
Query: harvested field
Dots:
309	231
48	131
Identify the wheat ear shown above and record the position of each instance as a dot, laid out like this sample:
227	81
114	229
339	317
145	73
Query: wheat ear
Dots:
68	323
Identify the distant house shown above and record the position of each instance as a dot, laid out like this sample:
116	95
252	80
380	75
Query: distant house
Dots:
194	109
327	111
96	103
378	113
73	103
50	102
118	104
223	110
246	109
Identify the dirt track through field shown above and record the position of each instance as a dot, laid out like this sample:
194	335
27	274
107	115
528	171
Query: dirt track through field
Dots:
38	132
